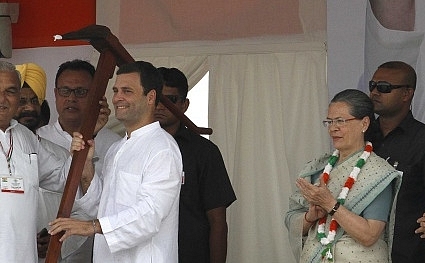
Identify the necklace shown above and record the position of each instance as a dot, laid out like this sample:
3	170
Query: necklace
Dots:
328	241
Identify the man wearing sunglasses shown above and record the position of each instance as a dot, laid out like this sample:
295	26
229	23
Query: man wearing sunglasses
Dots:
400	139
72	83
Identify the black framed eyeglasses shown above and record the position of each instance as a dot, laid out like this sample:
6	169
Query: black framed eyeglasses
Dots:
383	86
66	92
337	122
174	98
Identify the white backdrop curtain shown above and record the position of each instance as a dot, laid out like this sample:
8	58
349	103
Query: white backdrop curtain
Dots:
266	103
266	111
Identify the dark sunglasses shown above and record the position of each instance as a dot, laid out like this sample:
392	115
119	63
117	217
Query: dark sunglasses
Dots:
383	86
174	98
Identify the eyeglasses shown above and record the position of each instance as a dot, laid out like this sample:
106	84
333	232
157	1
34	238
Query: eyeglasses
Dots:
337	122
383	86
32	101
66	92
174	98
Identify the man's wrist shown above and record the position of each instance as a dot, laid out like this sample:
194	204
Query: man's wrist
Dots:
94	226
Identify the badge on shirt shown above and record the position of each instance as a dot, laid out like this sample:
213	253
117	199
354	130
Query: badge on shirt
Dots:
12	184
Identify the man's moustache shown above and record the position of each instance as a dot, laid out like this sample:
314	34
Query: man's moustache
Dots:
32	114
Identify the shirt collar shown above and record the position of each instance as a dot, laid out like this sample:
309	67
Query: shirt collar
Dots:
144	129
12	124
403	125
183	133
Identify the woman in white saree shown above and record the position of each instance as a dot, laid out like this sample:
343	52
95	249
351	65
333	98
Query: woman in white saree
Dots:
341	209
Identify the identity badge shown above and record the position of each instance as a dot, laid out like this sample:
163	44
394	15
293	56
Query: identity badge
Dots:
12	185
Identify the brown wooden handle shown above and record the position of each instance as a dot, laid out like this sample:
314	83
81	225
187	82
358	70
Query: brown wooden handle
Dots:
105	69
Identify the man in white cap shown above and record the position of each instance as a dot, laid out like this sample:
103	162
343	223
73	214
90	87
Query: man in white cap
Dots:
25	164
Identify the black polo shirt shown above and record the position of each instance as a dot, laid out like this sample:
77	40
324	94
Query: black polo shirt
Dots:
404	148
206	186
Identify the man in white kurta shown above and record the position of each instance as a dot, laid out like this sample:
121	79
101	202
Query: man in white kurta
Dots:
24	166
32	165
74	75
138	210
137	219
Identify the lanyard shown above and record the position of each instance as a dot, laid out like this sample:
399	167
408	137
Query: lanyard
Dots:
8	155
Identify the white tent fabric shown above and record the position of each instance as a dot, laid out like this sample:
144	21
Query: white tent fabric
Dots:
141	22
267	111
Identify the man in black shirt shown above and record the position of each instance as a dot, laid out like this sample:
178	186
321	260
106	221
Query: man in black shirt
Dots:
400	139
206	190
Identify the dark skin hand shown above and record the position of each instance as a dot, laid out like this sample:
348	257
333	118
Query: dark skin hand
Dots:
218	234
43	239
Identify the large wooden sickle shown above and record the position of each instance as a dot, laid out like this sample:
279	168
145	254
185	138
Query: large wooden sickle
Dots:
112	54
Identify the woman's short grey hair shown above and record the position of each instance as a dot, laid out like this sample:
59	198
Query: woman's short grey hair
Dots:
360	104
9	67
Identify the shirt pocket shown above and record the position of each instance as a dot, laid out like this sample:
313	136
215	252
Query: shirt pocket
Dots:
127	187
26	166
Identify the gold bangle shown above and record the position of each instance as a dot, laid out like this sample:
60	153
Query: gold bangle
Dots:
94	226
308	221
